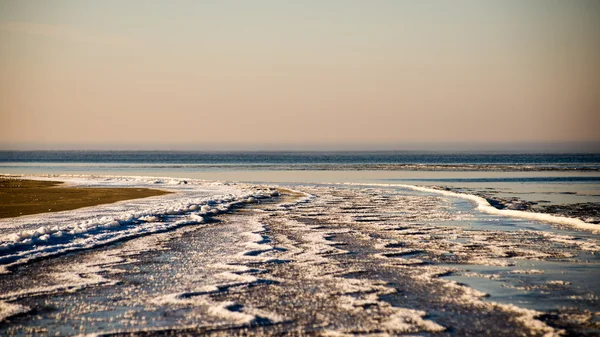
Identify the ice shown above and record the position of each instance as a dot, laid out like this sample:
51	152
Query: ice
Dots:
484	206
327	260
223	310
406	320
25	238
10	309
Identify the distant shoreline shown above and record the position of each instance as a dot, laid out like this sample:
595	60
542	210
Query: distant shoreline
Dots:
333	166
315	161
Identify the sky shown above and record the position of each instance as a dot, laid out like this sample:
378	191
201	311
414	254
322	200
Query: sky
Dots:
322	74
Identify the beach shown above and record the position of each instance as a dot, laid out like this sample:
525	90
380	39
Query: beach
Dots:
287	168
23	197
323	259
304	252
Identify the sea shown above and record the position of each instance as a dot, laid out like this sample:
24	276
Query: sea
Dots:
308	243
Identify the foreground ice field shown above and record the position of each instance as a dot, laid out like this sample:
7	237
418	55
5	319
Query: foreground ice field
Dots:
32	237
325	260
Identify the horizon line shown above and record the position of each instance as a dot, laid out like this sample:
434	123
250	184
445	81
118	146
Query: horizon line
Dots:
549	147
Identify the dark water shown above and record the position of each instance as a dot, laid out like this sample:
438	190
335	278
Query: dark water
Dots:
548	179
377	157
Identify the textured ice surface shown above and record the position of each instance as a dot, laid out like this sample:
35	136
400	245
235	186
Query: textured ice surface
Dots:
484	206
329	260
42	235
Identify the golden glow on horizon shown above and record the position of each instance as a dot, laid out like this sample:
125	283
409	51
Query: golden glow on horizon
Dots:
317	72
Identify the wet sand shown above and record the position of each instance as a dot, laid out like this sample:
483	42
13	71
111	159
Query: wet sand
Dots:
20	197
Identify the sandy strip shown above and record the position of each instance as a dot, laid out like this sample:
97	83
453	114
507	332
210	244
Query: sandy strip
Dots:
20	197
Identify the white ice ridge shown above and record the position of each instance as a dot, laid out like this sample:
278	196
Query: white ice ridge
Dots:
10	309
484	206
25	238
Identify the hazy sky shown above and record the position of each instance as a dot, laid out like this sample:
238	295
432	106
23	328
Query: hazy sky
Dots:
298	74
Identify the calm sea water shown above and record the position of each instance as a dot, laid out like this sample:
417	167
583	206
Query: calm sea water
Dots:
374	157
553	178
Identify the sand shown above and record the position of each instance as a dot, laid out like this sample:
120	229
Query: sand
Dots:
20	197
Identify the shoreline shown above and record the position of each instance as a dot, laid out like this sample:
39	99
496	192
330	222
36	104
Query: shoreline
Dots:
266	254
482	204
572	215
485	206
21	197
588	212
307	242
427	167
23	239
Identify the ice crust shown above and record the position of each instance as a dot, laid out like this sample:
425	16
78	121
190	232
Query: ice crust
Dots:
10	309
330	260
25	238
484	206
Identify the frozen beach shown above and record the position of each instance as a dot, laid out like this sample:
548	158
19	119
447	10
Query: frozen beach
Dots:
222	259
300	168
308	244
